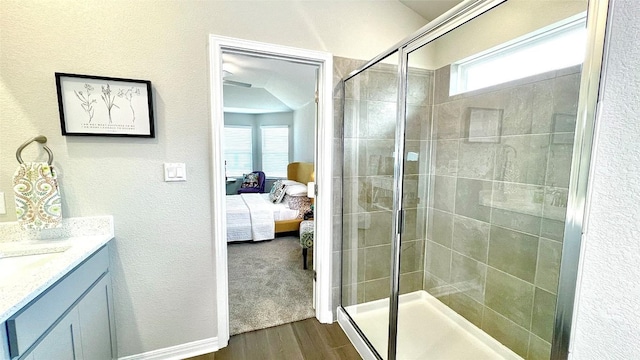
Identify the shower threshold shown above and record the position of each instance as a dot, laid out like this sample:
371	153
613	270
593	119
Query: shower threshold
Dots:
427	329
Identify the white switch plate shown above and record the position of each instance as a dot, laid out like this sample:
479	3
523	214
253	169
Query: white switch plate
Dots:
175	172
3	208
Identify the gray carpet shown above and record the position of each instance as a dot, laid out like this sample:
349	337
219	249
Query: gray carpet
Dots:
267	285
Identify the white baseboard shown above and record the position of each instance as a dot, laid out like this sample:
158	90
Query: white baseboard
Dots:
178	352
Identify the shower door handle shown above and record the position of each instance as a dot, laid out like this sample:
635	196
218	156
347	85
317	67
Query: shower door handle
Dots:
400	221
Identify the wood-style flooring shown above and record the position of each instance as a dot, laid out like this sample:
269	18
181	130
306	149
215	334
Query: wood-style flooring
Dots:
307	339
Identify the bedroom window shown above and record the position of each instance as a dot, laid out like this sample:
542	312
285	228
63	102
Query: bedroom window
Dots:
555	47
238	153
275	150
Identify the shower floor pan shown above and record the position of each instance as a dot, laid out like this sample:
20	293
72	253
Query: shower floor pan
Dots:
427	329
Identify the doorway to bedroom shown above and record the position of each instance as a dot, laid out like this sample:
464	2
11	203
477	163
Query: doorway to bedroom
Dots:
269	135
268	103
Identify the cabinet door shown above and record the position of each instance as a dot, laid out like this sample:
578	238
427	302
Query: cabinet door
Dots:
96	325
62	342
4	342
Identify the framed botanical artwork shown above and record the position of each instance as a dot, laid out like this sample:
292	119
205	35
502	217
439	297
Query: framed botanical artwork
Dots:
484	125
104	106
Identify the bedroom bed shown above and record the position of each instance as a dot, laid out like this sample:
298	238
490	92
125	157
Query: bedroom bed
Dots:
253	217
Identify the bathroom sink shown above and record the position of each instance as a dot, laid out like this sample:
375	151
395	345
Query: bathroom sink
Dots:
11	266
18	249
22	258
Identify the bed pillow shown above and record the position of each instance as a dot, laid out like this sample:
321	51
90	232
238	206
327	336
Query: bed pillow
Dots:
251	180
297	189
291	182
277	192
300	203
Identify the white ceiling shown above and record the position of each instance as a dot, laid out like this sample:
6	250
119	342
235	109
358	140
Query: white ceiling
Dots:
276	85
279	85
430	9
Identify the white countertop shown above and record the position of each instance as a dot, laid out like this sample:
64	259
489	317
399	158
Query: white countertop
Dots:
19	288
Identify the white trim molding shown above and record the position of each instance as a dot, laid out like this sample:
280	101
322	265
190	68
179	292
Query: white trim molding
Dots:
323	160
178	352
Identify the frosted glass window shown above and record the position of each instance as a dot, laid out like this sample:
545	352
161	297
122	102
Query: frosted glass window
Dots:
238	147
275	150
558	46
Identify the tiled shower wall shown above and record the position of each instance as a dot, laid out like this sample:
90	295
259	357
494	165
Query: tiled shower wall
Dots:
497	192
500	172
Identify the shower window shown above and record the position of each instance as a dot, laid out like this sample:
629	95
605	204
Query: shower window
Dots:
557	46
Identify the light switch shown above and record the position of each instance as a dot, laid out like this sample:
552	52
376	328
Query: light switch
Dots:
175	172
3	208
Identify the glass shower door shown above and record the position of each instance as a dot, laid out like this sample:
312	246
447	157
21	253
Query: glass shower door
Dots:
488	148
370	116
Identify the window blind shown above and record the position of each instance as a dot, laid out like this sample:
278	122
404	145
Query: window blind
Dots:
275	150
238	153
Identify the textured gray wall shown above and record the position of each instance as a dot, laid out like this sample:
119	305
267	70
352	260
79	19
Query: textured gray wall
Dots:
608	304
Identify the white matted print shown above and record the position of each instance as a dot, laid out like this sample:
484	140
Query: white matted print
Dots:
103	106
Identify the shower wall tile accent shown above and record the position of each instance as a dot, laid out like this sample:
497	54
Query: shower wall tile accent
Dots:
377	262
440	227
414	228
480	192
538	348
497	203
370	101
509	296
476	160
439	261
508	333
444	192
513	252
410	282
468	274
471	238
549	252
544	304
469	308
376	289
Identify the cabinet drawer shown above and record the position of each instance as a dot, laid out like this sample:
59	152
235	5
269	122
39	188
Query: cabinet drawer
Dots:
34	320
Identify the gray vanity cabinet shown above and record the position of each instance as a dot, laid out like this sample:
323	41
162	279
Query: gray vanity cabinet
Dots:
62	341
84	332
96	322
72	320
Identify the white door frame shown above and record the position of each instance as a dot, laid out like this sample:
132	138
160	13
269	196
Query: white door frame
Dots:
323	160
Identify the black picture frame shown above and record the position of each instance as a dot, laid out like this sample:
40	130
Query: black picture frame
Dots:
104	106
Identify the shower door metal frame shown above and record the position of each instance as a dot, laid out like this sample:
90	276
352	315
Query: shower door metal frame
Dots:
398	185
577	202
575	223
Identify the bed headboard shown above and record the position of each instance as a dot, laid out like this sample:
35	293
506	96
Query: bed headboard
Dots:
303	172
